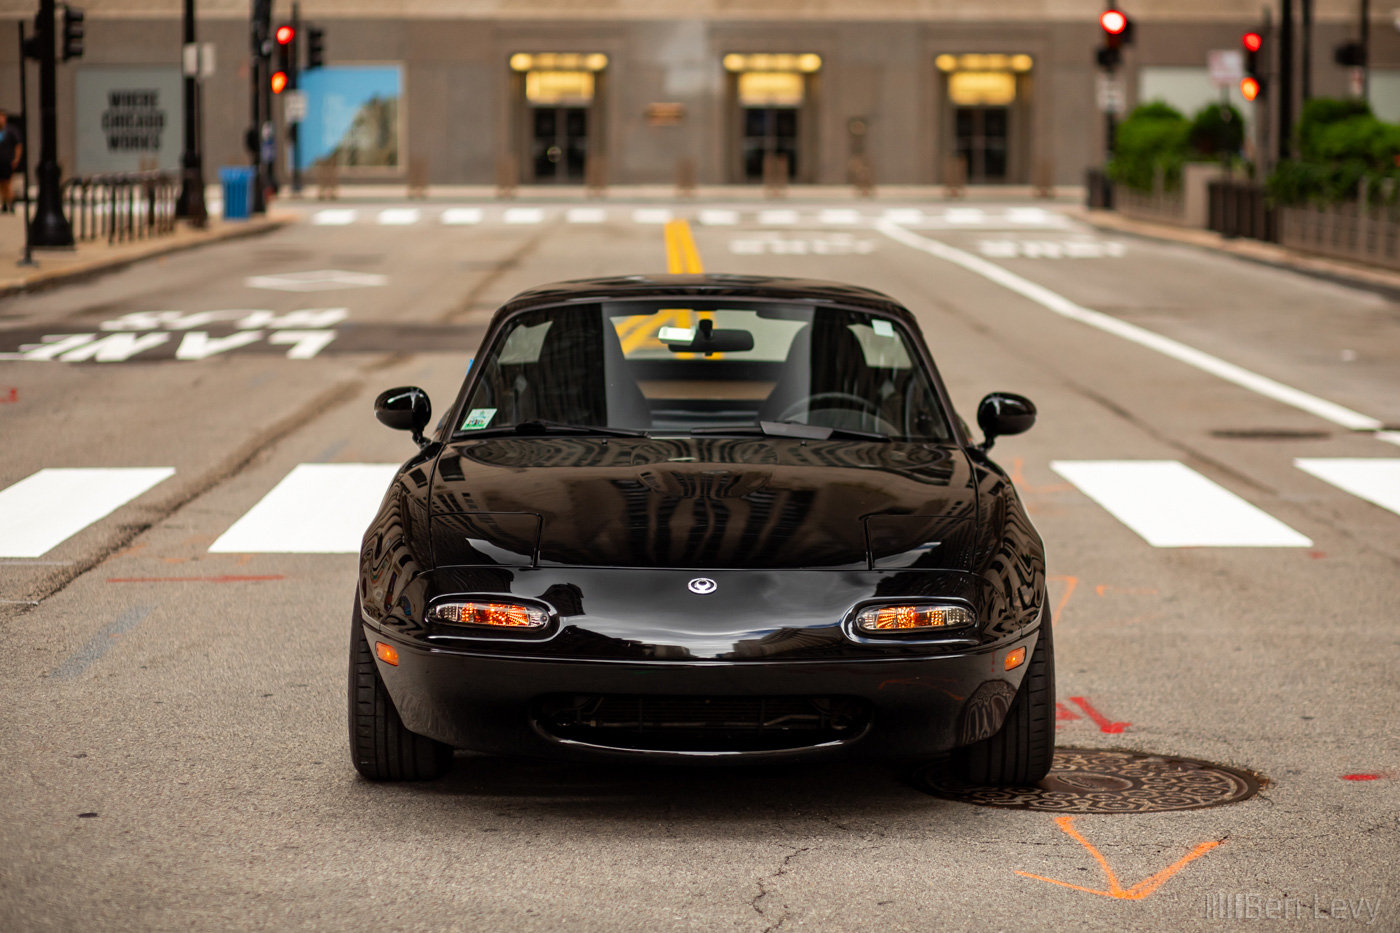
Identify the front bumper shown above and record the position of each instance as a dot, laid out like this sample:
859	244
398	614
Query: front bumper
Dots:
917	707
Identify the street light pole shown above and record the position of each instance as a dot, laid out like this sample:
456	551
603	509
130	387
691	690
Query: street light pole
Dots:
191	203
49	227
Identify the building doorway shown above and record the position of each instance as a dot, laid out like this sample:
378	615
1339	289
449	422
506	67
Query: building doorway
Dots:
987	118
559	144
769	132
980	140
773	136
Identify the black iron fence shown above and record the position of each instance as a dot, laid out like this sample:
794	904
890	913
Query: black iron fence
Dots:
124	206
1241	209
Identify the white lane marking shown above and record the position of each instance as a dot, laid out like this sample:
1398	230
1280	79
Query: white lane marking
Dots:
334	217
304	344
1171	505
1050	249
198	345
523	215
777	218
1375	480
47	508
320	280
586	215
1390	437
839	216
713	218
903	215
318	508
461	216
964	215
1062	306
651	215
1028	215
398	216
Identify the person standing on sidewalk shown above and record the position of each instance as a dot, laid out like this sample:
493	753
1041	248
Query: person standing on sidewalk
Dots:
11	148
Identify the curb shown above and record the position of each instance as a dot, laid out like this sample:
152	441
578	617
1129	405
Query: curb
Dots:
51	278
1381	281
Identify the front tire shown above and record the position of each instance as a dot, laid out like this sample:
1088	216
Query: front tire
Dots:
380	746
1022	751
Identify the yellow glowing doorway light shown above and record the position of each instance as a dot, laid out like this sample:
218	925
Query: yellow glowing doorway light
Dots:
982	88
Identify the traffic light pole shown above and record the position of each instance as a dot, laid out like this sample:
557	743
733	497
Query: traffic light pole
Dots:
191	203
28	259
49	227
294	128
1285	80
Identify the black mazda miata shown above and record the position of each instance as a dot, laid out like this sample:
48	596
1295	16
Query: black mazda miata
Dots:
702	518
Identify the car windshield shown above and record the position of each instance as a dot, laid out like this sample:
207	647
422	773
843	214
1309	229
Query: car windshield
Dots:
708	368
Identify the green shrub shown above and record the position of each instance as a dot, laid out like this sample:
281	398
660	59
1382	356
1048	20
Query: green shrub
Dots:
1340	144
1153	136
1217	130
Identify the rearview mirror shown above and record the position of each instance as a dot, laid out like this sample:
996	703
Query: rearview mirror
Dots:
1004	413
405	409
705	339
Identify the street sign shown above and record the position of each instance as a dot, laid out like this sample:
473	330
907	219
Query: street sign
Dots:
1109	93
294	106
198	59
1226	67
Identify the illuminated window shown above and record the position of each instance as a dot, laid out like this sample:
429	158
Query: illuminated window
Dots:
982	88
559	88
558	61
770	89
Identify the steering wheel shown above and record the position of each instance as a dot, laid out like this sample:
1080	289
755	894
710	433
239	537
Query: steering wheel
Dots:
804	405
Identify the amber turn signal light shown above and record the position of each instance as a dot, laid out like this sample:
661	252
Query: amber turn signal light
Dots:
1015	659
386	653
900	618
496	615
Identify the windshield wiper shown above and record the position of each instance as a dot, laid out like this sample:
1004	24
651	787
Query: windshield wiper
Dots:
540	427
810	432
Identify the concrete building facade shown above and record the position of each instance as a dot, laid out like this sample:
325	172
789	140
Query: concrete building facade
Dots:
646	91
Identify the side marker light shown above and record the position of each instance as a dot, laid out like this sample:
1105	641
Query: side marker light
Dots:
1015	659
386	653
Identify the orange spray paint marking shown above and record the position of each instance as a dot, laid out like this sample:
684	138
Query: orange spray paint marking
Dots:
1070	584
1103	589
1063	712
1018	480
1362	777
10	396
1138	891
1100	720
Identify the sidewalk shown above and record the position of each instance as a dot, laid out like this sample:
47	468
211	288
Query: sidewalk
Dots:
96	256
1271	254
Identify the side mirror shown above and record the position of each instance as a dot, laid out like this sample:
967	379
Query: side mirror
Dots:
1004	413
405	409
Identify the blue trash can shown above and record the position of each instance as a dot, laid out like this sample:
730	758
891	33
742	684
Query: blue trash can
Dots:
238	191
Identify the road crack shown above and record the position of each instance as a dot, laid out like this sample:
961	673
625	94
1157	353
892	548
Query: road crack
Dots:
763	892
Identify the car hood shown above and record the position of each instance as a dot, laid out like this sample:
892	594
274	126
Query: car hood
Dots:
702	503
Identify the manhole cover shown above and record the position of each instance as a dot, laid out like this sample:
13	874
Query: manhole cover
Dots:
1092	781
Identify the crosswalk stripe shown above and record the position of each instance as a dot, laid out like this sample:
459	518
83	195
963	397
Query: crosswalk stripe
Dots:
48	507
651	215
841	216
586	215
398	216
1171	505
318	508
1373	479
903	215
461	216
717	218
778	218
334	217
523	215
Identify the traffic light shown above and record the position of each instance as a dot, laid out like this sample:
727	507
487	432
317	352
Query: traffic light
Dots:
1252	84
315	47
72	33
286	48
279	82
1117	32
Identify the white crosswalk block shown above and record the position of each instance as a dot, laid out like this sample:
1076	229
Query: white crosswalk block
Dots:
318	508
398	216
904	215
586	215
1374	479
523	215
839	216
334	217
964	215
651	215
779	218
719	218
47	508
1028	215
1171	505
461	216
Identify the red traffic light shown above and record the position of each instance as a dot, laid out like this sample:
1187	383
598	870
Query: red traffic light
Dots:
1253	41
285	35
279	82
1249	88
1113	22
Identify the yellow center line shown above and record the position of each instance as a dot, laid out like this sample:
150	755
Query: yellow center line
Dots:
682	257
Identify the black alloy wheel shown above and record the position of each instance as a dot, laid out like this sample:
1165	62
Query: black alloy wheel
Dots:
1022	751
380	746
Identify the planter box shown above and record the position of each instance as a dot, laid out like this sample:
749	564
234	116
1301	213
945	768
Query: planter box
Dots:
1188	206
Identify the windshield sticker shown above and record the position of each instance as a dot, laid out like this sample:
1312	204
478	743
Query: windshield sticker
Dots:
478	419
882	328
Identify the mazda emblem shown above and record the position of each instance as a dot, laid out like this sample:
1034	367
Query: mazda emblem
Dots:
702	585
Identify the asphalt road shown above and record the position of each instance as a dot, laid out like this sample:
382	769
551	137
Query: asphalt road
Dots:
175	750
